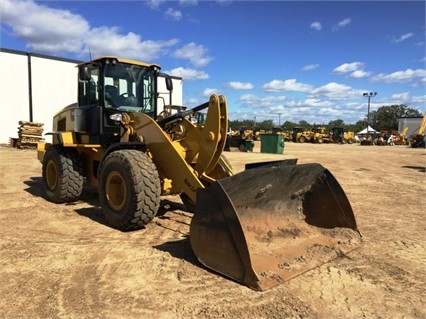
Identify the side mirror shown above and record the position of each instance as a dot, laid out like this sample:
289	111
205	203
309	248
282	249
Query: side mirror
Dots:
84	73
169	83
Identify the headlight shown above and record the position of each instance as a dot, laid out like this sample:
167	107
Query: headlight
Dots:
118	117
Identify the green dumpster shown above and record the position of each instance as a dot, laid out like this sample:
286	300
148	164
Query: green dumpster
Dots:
249	145
272	143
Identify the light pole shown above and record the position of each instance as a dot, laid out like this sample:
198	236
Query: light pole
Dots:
369	95
279	119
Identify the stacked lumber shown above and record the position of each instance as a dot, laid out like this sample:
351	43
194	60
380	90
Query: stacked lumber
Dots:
29	134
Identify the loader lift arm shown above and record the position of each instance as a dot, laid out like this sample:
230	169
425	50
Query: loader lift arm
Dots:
189	160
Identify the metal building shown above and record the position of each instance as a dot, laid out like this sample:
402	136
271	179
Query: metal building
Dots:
34	87
412	123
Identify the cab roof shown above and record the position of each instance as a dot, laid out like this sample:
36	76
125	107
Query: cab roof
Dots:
128	61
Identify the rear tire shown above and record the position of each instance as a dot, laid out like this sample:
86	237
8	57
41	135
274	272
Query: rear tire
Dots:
62	173
302	139
129	189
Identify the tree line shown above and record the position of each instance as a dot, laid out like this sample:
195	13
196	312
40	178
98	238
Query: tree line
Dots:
384	118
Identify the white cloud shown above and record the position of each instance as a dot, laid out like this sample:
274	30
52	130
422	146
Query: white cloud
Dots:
316	26
344	22
400	96
188	74
154	4
348	67
403	37
240	86
286	85
224	2
312	109
341	24
333	90
188	2
192	102
209	91
328	111
55	31
400	76
264	103
355	70
249	97
419	100
130	43
195	53
172	14
45	29
316	102
422	82
406	98
310	67
358	74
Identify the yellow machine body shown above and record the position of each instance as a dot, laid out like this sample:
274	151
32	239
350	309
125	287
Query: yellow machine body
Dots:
259	227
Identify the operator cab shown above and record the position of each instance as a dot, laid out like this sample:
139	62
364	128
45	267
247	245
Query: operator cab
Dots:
109	85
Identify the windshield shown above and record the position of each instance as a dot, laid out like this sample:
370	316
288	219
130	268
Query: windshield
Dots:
129	88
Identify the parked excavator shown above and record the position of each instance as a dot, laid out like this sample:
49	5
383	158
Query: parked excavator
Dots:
259	227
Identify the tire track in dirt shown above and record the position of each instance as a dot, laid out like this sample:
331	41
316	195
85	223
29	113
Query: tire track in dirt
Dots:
351	287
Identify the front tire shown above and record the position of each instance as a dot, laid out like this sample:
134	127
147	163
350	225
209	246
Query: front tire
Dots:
62	173
129	190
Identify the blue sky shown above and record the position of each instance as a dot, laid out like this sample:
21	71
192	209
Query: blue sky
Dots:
304	60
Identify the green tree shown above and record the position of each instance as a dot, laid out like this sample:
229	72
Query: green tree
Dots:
336	123
288	126
386	117
357	127
265	125
237	124
305	124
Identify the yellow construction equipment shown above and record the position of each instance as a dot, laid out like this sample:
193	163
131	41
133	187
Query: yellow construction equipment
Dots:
349	137
320	135
336	135
401	139
260	227
242	139
418	139
300	135
340	136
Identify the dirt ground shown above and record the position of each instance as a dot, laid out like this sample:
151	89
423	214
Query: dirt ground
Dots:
63	261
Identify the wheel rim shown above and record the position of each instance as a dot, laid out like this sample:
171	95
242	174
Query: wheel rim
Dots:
51	175
116	191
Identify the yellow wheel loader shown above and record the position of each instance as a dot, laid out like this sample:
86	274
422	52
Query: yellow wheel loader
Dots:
260	227
418	139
